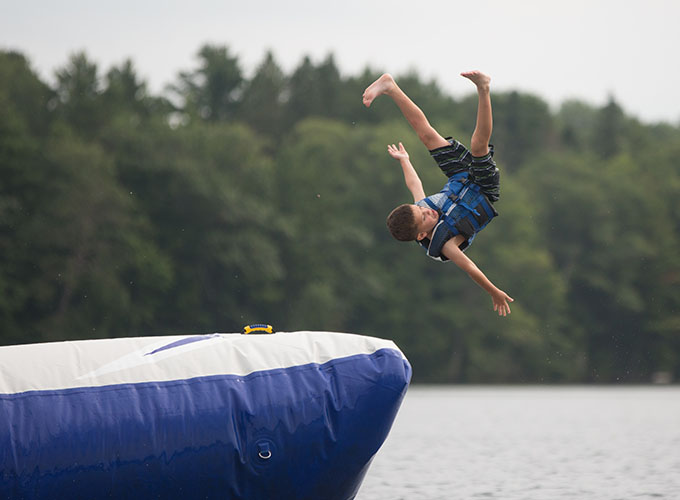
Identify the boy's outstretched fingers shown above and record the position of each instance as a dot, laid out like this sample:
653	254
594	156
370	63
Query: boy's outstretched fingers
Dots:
397	152
500	304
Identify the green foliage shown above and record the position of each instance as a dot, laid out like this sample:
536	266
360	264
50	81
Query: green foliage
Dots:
79	91
23	96
264	199
210	91
262	103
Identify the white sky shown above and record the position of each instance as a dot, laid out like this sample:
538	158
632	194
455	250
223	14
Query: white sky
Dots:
585	49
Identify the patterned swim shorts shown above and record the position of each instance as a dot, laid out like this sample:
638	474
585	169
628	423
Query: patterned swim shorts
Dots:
483	171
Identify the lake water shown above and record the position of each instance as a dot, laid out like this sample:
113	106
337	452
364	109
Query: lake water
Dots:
531	443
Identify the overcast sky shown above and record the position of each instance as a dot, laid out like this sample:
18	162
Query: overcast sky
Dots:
584	49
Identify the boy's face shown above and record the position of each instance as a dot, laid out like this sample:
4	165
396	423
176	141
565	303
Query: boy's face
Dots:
426	219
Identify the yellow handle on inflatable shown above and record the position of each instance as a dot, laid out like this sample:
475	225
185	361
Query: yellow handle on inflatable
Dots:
257	328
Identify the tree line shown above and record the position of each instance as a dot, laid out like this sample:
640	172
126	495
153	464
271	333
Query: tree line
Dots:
227	200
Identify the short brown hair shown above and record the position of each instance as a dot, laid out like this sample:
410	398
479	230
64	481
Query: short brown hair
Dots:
402	224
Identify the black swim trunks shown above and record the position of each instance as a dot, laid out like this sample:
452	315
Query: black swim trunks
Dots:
483	171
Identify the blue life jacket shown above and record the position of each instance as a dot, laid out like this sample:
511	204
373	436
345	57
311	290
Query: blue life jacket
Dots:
466	211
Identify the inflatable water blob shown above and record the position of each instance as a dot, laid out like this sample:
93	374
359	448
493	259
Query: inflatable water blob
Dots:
296	415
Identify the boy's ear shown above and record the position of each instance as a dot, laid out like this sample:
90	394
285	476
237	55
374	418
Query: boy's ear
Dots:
421	235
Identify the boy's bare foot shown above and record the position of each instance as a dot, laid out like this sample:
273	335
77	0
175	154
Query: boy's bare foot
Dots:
478	78
379	87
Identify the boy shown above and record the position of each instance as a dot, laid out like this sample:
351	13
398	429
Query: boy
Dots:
447	222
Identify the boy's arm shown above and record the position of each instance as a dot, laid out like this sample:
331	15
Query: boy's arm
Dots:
499	297
411	178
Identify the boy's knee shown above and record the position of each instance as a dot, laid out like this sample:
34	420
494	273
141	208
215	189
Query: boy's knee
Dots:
479	148
432	139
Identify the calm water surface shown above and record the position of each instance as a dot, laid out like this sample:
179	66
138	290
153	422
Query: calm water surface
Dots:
531	444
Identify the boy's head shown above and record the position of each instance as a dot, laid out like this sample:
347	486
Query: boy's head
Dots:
411	222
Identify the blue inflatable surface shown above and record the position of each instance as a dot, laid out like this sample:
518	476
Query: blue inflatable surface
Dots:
294	415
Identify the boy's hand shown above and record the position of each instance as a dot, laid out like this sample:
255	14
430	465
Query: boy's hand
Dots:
500	302
397	153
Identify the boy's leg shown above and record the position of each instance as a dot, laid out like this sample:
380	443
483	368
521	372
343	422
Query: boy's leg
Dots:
479	145
413	114
483	170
